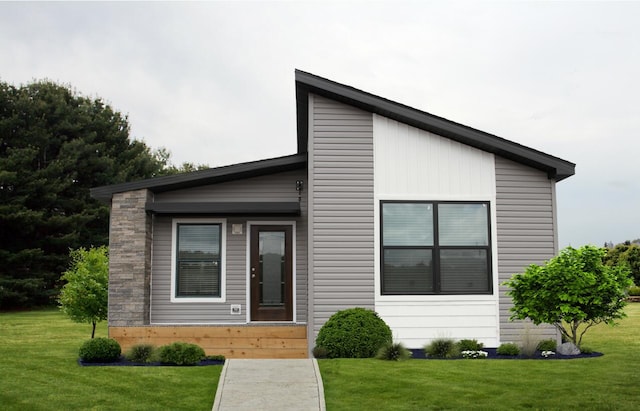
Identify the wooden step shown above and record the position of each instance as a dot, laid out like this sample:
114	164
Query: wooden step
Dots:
243	341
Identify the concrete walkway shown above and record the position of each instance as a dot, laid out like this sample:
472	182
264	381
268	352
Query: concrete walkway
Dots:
268	385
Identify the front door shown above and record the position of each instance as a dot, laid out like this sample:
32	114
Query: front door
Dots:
271	273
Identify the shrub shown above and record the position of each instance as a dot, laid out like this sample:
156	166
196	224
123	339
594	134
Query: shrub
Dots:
547	345
319	352
634	290
510	349
573	291
140	353
470	345
217	357
100	350
442	348
393	352
586	350
353	333
181	353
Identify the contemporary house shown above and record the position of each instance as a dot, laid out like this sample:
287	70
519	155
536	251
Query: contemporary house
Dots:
383	206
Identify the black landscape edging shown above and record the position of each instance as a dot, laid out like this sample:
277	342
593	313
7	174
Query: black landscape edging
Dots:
419	354
123	362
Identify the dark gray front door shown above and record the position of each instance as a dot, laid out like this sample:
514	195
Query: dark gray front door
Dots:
271	273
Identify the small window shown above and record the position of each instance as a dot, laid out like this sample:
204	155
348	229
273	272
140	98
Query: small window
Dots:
198	265
435	248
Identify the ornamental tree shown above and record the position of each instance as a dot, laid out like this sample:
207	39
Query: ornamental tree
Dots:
573	291
84	296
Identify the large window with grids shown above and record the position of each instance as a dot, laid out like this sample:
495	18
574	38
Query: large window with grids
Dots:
435	247
197	260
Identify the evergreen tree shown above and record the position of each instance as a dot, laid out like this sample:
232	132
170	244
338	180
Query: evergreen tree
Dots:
54	146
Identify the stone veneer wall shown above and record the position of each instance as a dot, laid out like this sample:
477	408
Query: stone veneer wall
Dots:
129	259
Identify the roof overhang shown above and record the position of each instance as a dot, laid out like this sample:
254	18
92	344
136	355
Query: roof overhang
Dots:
227	208
205	177
306	83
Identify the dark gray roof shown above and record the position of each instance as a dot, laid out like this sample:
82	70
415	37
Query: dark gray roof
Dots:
306	83
204	177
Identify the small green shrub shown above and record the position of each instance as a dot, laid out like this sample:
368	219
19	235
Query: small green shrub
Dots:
393	352
634	290
216	357
586	350
470	345
353	333
181	353
140	353
319	352
100	350
547	345
510	349
442	348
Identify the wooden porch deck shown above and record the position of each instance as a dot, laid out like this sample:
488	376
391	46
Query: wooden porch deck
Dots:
237	341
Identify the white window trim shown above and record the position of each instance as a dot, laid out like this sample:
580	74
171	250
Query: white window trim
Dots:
223	259
293	268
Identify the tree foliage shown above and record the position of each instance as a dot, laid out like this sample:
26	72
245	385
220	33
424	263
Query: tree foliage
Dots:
84	296
54	146
627	254
573	291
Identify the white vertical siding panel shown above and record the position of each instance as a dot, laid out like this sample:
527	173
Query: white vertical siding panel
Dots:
341	176
412	164
527	233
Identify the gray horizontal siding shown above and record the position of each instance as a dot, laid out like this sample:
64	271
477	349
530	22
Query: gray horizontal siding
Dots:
526	231
342	220
277	187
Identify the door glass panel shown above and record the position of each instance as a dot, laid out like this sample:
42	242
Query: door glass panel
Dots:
272	268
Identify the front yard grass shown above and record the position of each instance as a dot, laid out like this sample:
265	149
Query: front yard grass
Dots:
609	382
39	351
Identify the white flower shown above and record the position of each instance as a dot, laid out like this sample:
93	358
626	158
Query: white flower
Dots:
474	354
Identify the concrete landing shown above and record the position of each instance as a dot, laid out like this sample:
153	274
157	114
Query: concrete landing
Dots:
270	385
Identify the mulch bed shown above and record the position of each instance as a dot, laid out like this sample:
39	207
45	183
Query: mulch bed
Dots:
123	362
420	355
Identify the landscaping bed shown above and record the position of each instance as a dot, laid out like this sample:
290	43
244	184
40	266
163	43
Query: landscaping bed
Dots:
419	354
123	362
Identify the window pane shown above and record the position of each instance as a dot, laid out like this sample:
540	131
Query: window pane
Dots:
272	270
198	279
198	260
407	272
407	224
464	271
463	224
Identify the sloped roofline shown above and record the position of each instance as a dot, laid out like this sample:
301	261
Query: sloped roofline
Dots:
204	177
307	83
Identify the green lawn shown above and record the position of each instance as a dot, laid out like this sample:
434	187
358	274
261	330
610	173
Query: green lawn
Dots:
610	382
39	371
38	352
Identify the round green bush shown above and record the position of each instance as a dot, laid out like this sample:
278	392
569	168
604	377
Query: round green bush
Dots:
469	345
354	333
181	353
547	345
100	350
510	349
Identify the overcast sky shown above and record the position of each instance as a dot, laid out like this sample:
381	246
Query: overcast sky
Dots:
214	82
